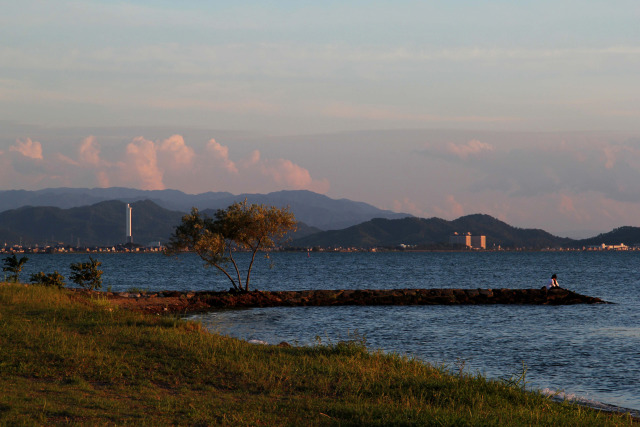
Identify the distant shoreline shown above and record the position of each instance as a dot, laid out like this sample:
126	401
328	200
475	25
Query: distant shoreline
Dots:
159	250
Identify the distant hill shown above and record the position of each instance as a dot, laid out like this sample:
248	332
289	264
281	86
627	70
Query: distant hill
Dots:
76	197
432	232
313	209
317	210
98	224
628	235
501	233
55	218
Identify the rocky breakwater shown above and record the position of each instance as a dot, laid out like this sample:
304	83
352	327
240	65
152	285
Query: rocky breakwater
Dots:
182	302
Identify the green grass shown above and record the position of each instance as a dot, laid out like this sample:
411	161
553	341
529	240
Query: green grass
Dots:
65	359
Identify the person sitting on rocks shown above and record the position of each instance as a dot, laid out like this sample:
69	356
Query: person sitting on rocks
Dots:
553	283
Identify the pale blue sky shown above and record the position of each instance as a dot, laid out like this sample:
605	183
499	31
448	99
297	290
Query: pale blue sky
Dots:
473	77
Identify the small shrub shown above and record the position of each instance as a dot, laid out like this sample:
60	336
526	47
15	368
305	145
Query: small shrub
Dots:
86	274
13	266
51	279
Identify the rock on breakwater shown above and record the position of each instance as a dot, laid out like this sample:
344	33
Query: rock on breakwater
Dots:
182	302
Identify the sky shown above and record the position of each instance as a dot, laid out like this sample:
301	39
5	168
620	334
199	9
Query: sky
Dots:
526	111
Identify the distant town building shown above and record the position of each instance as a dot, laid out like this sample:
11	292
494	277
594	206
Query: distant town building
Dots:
469	241
460	239
479	242
603	247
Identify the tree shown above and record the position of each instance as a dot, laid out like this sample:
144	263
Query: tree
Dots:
86	274
51	279
13	265
241	226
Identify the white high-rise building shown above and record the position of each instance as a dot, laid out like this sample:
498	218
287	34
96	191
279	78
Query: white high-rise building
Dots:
128	224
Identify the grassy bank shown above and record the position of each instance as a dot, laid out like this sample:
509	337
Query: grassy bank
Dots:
67	359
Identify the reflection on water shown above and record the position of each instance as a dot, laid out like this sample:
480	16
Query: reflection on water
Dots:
633	333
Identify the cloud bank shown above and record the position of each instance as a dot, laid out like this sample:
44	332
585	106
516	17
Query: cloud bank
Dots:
534	183
152	165
555	181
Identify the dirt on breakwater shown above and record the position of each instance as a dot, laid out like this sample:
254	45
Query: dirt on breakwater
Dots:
189	302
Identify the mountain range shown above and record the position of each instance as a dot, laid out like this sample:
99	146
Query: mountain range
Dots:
100	224
315	210
103	223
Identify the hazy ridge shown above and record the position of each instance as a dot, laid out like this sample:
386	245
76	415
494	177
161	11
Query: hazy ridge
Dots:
73	216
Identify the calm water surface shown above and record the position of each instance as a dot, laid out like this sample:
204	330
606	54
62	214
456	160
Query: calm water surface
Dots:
588	351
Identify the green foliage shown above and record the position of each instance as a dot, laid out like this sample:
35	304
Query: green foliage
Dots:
518	380
13	266
239	227
52	279
86	274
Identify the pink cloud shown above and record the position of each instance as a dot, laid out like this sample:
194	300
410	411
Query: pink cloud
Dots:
450	209
472	147
154	165
142	162
68	160
252	160
291	176
28	148
407	206
89	158
175	152
103	179
89	151
613	153
282	172
566	206
221	152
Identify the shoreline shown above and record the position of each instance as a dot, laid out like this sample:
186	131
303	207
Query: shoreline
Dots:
177	302
76	358
42	308
181	302
593	404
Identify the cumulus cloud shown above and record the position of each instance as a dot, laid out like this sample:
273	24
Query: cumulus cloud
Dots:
89	151
28	148
451	208
282	172
406	205
533	180
621	154
472	147
142	162
525	167
567	206
221	153
289	175
452	151
156	165
175	152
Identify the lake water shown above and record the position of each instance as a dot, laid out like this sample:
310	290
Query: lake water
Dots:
588	351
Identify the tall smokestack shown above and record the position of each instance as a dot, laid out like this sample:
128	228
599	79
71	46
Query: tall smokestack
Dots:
128	224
